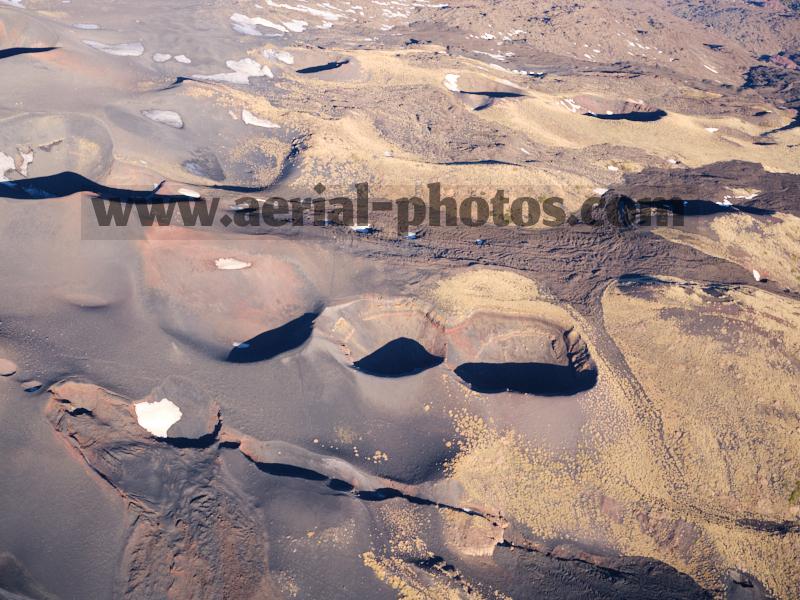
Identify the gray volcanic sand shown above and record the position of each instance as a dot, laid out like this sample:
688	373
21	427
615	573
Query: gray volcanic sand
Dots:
67	517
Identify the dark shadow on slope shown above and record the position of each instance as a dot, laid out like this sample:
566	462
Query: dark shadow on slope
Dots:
622	211
636	116
276	341
9	52
337	485
699	208
486	161
67	183
199	443
284	470
793	124
496	94
178	81
319	68
398	358
540	379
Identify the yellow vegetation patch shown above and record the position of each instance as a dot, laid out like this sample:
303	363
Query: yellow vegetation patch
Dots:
698	439
683	137
769	245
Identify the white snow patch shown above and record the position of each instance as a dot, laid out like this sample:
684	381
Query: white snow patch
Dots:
27	158
6	165
325	14
451	82
248	25
242	71
124	49
746	196
251	119
160	57
599	191
86	26
188	193
157	417
296	26
182	58
165	117
571	105
712	129
500	57
613	168
756	275
231	264
244	206
281	55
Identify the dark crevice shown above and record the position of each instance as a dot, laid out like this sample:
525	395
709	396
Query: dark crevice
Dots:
338	485
381	494
613	574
